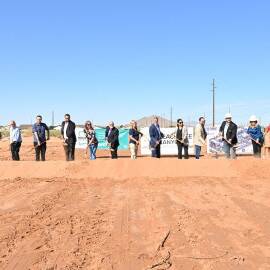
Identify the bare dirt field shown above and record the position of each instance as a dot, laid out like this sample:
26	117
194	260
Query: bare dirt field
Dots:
133	215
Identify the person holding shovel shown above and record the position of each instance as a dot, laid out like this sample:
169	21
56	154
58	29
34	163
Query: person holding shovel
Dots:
92	142
200	136
112	139
182	139
15	138
256	136
40	141
134	139
228	131
267	142
69	137
155	138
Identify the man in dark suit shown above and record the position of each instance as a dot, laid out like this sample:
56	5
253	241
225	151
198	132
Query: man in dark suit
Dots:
228	131
112	138
155	138
69	137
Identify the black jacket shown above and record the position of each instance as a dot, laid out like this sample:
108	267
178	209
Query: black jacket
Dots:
113	137
70	131
231	132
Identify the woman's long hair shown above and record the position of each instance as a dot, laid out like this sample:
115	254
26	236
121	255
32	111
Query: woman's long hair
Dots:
133	124
179	120
88	126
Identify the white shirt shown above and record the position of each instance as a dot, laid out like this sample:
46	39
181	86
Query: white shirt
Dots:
158	129
15	135
226	129
65	130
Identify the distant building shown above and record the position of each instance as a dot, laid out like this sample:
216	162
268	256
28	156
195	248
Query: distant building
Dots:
148	120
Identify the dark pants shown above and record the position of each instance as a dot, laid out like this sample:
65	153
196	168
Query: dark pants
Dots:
15	150
182	146
257	150
70	150
114	153
156	151
40	151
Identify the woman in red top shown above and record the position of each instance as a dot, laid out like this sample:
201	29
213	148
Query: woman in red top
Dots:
267	142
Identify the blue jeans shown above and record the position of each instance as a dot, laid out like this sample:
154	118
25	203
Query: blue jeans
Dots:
229	150
93	150
197	151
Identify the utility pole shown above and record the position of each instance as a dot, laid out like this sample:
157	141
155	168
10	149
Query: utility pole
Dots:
163	120
214	102
171	115
52	118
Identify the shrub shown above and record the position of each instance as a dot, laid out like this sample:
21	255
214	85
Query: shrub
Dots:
4	133
55	133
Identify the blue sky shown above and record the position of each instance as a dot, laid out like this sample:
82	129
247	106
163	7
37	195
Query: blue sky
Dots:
126	59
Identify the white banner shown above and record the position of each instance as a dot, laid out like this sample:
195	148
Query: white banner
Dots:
215	144
168	146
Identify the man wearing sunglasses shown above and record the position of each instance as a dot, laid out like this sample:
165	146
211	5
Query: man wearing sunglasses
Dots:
182	139
69	137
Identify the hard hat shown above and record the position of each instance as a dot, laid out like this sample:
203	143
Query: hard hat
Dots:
228	115
253	118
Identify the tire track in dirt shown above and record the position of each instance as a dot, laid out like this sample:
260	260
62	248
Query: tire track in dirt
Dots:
210	239
28	223
60	227
105	224
141	223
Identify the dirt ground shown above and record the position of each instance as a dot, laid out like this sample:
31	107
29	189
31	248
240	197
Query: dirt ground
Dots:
133	215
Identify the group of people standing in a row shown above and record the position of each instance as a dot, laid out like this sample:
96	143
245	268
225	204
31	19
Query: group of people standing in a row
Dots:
40	138
41	135
227	131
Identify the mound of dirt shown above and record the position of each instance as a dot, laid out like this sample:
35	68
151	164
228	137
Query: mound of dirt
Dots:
133	215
